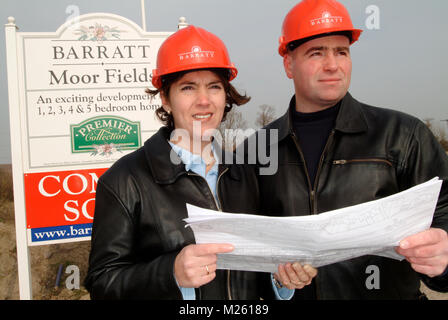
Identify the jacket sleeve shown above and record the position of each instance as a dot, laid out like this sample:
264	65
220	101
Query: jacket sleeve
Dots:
114	272
426	159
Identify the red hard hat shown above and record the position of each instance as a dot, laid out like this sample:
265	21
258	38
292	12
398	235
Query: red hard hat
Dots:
191	48
314	17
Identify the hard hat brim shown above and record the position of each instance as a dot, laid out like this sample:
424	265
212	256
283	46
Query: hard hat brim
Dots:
283	47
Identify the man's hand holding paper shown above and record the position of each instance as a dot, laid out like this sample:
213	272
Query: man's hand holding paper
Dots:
426	251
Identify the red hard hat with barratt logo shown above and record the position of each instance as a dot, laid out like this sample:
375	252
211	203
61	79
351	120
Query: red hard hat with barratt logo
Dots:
188	49
314	17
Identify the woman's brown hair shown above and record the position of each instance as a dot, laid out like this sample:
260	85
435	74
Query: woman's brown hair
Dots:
233	97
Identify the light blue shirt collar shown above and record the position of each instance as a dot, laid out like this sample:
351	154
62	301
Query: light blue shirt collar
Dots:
195	163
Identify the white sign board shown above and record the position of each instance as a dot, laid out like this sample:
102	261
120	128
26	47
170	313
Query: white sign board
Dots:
77	104
95	67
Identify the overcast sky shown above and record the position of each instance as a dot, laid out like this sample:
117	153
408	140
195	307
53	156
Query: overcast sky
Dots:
402	65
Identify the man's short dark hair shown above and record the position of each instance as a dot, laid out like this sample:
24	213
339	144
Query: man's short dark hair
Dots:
296	43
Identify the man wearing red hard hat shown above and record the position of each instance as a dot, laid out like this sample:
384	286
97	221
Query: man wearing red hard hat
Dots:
334	152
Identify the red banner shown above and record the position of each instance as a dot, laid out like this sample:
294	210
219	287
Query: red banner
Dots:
60	198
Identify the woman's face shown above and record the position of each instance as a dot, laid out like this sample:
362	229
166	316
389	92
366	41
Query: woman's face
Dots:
196	101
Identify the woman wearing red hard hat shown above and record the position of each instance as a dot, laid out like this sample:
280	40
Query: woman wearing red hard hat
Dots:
140	246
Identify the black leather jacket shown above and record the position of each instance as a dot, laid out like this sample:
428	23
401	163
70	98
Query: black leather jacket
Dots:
138	229
370	154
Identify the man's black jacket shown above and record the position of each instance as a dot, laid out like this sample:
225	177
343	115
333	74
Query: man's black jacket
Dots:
371	153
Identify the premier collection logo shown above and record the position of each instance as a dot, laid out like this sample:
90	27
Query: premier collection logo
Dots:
105	135
326	18
195	53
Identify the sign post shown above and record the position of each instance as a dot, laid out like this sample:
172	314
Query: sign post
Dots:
77	104
23	260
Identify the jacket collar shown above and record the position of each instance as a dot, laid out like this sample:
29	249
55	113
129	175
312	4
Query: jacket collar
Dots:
349	120
165	164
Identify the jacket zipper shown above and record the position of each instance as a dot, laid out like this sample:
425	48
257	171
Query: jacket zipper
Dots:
330	138
229	292
312	191
342	162
218	206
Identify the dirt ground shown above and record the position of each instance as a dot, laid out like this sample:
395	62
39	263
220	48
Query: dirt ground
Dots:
47	260
45	264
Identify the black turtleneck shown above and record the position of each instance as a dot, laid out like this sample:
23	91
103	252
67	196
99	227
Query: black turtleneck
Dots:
312	131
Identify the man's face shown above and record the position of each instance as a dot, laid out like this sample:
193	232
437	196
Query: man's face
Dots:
321	70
